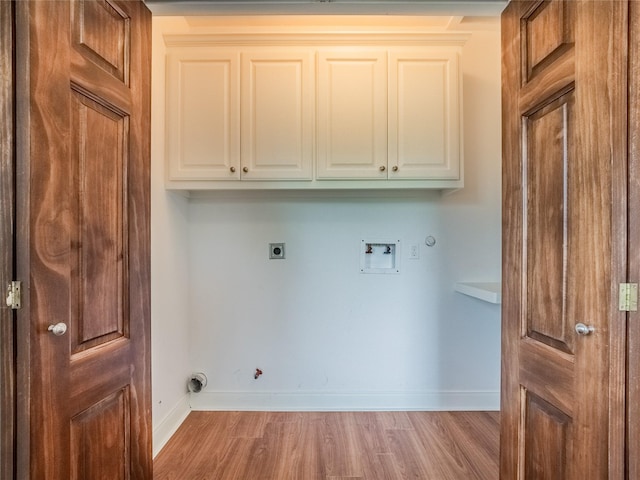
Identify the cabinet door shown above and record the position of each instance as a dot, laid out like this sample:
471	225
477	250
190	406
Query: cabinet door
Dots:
277	115
203	105
352	114
424	114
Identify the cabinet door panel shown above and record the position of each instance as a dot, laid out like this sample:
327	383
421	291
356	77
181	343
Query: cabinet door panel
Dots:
424	114
352	114
203	115
277	115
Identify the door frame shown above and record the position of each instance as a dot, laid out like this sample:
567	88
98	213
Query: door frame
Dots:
624	164
7	240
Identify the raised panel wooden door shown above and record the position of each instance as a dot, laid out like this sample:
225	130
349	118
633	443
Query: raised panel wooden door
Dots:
564	79
83	240
277	115
352	114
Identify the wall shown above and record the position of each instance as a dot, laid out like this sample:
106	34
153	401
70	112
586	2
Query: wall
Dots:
169	275
326	336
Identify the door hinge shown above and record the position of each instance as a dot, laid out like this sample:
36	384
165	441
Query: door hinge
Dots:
628	298
14	290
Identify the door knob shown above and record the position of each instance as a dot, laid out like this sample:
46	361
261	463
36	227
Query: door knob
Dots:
245	169
582	329
58	329
382	168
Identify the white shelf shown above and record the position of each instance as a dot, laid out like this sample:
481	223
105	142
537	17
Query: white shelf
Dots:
487	291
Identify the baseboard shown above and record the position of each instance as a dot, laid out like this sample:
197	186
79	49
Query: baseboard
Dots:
168	426
320	401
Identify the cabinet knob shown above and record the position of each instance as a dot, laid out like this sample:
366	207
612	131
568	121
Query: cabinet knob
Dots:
233	169
245	169
395	168
382	168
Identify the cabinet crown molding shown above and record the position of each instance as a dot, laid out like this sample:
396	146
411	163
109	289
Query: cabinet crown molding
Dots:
457	39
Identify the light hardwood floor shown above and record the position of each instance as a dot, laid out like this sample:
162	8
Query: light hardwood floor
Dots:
332	446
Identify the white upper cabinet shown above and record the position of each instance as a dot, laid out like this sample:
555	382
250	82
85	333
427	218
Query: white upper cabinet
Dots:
320	110
277	115
389	114
425	130
203	114
352	113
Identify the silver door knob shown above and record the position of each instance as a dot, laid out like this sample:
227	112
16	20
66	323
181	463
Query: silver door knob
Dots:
58	329
582	329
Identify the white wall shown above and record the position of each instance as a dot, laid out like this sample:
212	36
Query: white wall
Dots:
326	336
169	275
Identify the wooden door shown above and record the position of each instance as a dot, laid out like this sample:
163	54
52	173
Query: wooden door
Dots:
564	161
83	89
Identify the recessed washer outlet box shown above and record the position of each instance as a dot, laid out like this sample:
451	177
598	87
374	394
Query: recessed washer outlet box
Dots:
379	256
276	251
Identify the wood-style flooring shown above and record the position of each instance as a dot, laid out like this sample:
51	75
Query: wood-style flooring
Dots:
332	446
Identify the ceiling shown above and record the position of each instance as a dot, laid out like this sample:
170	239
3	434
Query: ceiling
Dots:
327	7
